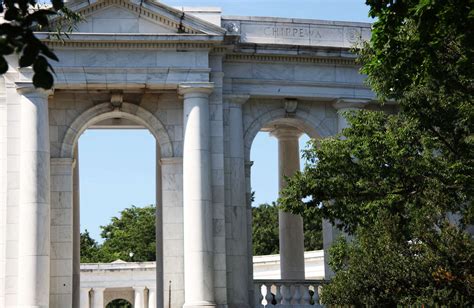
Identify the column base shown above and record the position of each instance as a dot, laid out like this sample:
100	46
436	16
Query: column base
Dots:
199	304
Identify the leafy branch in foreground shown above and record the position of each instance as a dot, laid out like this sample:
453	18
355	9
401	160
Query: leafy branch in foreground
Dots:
21	18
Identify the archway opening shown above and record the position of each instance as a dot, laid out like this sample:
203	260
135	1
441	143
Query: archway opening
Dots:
117	183
119	303
269	160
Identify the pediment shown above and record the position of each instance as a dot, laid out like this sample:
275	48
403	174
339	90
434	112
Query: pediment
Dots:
146	17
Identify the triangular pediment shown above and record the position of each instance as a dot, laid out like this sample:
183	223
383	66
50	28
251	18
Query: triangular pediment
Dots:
145	17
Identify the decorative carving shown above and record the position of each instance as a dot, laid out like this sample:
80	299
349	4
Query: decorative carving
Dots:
232	28
290	106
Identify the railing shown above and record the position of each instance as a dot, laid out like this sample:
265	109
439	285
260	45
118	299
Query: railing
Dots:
288	293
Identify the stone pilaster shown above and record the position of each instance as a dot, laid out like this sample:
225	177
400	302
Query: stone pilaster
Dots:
198	223
76	229
290	225
34	208
236	210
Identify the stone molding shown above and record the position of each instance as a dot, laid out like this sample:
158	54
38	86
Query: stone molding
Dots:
286	133
145	13
343	104
195	88
171	161
236	99
107	110
27	88
287	59
129	45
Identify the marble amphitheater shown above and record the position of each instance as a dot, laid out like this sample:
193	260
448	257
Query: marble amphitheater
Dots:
204	85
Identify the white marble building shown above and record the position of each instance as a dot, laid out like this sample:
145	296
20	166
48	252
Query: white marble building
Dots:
135	281
204	85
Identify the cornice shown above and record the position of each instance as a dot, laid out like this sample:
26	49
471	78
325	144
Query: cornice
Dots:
128	45
287	59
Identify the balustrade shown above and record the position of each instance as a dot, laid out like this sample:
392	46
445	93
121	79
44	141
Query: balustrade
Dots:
288	293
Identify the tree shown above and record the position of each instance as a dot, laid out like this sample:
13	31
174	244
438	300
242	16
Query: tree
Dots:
133	232
129	237
90	250
403	184
21	19
265	230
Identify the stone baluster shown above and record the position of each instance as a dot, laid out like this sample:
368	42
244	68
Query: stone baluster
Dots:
297	296
278	296
306	296
258	297
34	205
316	294
268	295
286	292
197	207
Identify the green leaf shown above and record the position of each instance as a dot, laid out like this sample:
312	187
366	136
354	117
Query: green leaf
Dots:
43	80
40	65
3	65
57	4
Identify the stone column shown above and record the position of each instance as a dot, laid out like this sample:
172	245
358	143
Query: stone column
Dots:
198	240
151	297
159	231
290	225
237	266
98	301
330	232
139	297
85	301
76	229
34	209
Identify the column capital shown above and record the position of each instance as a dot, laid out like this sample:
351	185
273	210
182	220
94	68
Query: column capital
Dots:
237	99
286	132
98	290
139	288
344	104
86	289
27	88
195	88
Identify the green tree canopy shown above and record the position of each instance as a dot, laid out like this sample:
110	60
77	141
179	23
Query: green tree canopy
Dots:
133	232
403	184
265	230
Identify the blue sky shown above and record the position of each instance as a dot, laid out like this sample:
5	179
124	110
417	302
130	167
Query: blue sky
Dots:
117	167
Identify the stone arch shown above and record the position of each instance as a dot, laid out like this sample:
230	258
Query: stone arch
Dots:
301	119
111	295
105	111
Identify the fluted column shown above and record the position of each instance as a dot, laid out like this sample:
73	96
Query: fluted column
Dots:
34	209
85	301
198	239
237	266
98	301
330	232
290	225
139	297
151	297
